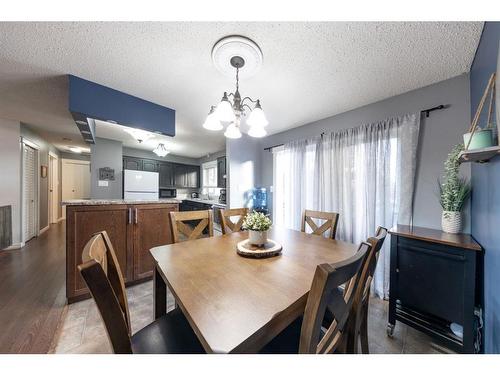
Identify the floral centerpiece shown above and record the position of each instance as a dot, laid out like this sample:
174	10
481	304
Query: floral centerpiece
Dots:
257	225
453	192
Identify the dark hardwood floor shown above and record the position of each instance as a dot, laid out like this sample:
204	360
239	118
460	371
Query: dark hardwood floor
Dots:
32	292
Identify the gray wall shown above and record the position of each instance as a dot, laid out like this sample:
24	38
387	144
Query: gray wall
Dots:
244	168
106	153
28	133
439	133
211	157
151	155
10	165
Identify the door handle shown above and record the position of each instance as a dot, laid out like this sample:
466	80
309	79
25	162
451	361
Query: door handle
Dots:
130	215
135	216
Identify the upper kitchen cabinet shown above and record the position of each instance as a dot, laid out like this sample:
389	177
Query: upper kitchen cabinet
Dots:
134	164
187	176
166	172
149	165
221	172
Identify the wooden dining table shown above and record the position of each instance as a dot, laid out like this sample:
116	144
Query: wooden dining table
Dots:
236	304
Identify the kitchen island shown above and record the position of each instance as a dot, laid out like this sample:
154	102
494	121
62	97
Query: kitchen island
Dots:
134	227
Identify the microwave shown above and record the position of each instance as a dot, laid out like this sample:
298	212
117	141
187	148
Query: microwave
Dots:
168	193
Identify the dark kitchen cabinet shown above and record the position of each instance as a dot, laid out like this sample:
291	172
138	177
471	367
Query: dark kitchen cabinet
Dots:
134	164
221	172
170	174
166	172
186	176
149	165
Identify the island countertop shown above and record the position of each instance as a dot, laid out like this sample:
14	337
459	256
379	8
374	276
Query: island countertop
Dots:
100	202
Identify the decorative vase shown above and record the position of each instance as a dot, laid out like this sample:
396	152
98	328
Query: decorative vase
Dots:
451	221
257	238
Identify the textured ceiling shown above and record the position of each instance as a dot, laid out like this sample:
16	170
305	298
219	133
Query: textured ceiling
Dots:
310	70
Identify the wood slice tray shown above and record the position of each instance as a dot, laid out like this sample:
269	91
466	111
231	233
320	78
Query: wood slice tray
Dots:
270	249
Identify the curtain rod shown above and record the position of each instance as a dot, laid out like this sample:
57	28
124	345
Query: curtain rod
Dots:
426	111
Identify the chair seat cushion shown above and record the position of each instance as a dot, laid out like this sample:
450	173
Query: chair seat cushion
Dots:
170	334
287	342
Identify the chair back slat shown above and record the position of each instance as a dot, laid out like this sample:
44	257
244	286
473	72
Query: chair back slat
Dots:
227	225
324	291
179	226
331	221
102	274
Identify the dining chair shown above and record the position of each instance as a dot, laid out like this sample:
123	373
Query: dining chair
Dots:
194	229
101	272
229	226
331	221
358	322
307	334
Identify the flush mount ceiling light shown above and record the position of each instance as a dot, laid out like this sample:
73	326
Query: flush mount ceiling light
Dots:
76	150
139	134
231	55
161	150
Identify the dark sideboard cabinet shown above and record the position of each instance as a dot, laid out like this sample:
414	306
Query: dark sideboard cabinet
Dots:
171	175
436	280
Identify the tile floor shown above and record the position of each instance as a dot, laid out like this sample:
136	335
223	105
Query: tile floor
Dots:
83	331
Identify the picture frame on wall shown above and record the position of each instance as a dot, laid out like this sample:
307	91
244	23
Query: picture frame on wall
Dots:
43	171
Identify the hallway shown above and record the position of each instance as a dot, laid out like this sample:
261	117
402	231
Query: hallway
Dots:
32	292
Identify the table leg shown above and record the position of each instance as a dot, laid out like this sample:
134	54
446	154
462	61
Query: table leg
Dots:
160	295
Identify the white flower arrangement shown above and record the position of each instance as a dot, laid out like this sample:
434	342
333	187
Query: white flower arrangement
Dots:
257	221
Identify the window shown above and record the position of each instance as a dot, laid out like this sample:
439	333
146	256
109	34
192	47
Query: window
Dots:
209	178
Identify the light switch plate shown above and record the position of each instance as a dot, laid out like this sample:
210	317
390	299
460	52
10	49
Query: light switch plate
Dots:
102	183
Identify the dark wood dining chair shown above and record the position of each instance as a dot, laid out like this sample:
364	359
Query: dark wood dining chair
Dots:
307	334
202	220
330	223
169	334
358	322
229	226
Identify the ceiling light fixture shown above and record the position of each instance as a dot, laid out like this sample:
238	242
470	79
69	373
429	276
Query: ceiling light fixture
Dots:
76	150
139	134
160	150
232	107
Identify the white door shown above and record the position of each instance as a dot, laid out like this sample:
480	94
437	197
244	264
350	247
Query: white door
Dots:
53	189
75	179
30	192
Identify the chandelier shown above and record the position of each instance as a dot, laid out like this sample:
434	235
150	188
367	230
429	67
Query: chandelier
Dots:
232	108
161	150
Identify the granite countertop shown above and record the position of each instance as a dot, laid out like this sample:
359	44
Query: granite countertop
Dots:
97	202
214	202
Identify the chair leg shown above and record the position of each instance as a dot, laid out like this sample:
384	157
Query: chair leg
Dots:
363	330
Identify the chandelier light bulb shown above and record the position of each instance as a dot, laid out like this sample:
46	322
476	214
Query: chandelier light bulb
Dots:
232	131
212	122
224	111
160	150
257	117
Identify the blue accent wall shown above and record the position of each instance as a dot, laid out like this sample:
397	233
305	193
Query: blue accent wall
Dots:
103	103
485	203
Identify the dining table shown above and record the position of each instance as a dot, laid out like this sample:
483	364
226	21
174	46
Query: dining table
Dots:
237	304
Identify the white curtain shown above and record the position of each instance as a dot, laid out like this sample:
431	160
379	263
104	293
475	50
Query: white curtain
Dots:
366	174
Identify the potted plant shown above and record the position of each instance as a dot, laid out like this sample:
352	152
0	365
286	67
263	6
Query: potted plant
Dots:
257	225
453	192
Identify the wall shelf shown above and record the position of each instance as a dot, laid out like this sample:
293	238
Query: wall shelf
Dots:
480	155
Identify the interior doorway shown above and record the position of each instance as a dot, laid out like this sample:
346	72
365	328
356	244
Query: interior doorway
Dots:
53	207
30	191
75	181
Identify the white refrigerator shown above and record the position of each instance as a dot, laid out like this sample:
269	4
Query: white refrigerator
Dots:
140	185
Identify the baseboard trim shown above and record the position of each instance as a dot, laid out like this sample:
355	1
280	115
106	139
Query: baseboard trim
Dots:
15	246
44	229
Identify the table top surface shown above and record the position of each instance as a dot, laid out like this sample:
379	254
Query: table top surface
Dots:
462	240
233	302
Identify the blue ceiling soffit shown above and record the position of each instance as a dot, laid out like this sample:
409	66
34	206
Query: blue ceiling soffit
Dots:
89	100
